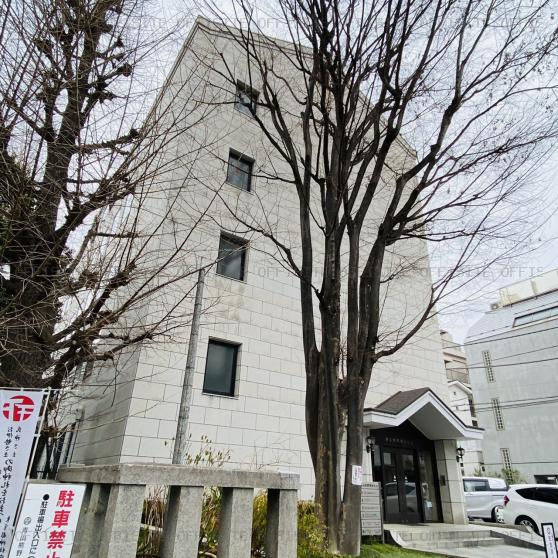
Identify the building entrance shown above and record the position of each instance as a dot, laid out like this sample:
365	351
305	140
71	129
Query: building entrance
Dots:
403	463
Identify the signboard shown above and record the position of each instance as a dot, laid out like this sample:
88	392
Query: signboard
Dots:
19	415
549	540
47	521
371	510
357	475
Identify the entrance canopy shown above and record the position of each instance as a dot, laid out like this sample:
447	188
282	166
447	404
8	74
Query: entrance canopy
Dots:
425	410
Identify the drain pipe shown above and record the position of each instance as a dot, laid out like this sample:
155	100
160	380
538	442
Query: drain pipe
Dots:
179	452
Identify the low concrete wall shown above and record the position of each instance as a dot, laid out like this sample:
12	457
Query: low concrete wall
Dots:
110	519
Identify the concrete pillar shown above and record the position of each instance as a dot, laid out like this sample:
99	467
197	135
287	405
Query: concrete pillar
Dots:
182	523
119	538
91	518
451	484
235	523
281	535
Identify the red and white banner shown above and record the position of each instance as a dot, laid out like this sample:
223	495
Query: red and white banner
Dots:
48	520
20	412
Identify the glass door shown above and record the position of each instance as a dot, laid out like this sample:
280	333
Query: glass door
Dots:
401	497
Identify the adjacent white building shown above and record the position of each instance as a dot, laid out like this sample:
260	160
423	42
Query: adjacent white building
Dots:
461	401
247	382
512	353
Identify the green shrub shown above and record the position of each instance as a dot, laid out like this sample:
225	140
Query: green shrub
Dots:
209	524
311	532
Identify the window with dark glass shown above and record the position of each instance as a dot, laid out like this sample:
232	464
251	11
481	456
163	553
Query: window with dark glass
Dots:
232	257
239	171
475	485
246	99
220	368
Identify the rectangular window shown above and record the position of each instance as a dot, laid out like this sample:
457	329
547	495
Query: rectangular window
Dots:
246	99
498	416
232	257
488	366
239	171
506	459
536	316
220	368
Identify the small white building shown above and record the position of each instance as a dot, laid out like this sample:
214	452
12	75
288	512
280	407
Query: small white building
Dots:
461	401
247	384
512	353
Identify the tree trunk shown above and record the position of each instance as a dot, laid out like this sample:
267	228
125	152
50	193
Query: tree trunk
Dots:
327	487
349	534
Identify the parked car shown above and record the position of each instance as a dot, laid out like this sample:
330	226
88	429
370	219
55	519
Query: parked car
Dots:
531	505
484	497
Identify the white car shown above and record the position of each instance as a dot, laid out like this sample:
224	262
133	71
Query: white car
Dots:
531	505
484	497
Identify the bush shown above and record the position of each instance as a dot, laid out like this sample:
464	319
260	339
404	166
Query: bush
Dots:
311	532
209	524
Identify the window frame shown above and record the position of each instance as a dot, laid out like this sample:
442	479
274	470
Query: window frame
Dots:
240	157
242	252
251	93
498	415
470	483
488	366
506	459
234	372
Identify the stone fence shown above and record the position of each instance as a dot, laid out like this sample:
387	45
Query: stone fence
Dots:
110	518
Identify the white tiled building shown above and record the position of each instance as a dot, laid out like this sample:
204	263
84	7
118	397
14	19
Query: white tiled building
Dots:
248	381
513	351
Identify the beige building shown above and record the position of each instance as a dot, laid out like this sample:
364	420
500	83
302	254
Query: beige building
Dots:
247	382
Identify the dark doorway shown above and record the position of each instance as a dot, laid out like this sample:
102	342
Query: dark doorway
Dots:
403	462
401	487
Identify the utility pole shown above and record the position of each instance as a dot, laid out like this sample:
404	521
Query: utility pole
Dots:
182	425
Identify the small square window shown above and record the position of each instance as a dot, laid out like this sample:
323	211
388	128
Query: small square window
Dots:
246	99
232	257
239	171
220	368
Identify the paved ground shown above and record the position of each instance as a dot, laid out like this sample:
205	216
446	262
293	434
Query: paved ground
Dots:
422	539
500	551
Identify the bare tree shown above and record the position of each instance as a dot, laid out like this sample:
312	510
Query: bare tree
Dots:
88	188
471	85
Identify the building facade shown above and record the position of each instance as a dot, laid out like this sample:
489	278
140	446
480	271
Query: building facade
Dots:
246	384
512	353
461	401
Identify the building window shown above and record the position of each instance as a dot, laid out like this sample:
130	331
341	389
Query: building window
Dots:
232	257
536	316
239	171
498	416
220	368
488	366
506	459
246	99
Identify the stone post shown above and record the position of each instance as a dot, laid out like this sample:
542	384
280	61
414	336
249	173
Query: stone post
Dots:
452	496
182	524
235	523
119	538
91	518
281	535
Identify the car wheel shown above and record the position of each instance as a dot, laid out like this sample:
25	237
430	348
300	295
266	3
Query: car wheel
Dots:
498	514
528	522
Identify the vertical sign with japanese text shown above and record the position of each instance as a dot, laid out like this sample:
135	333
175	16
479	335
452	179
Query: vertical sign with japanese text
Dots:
47	521
549	540
20	412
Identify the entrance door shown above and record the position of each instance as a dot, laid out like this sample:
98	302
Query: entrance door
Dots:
401	496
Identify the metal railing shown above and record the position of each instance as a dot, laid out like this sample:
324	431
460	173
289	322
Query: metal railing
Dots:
111	513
